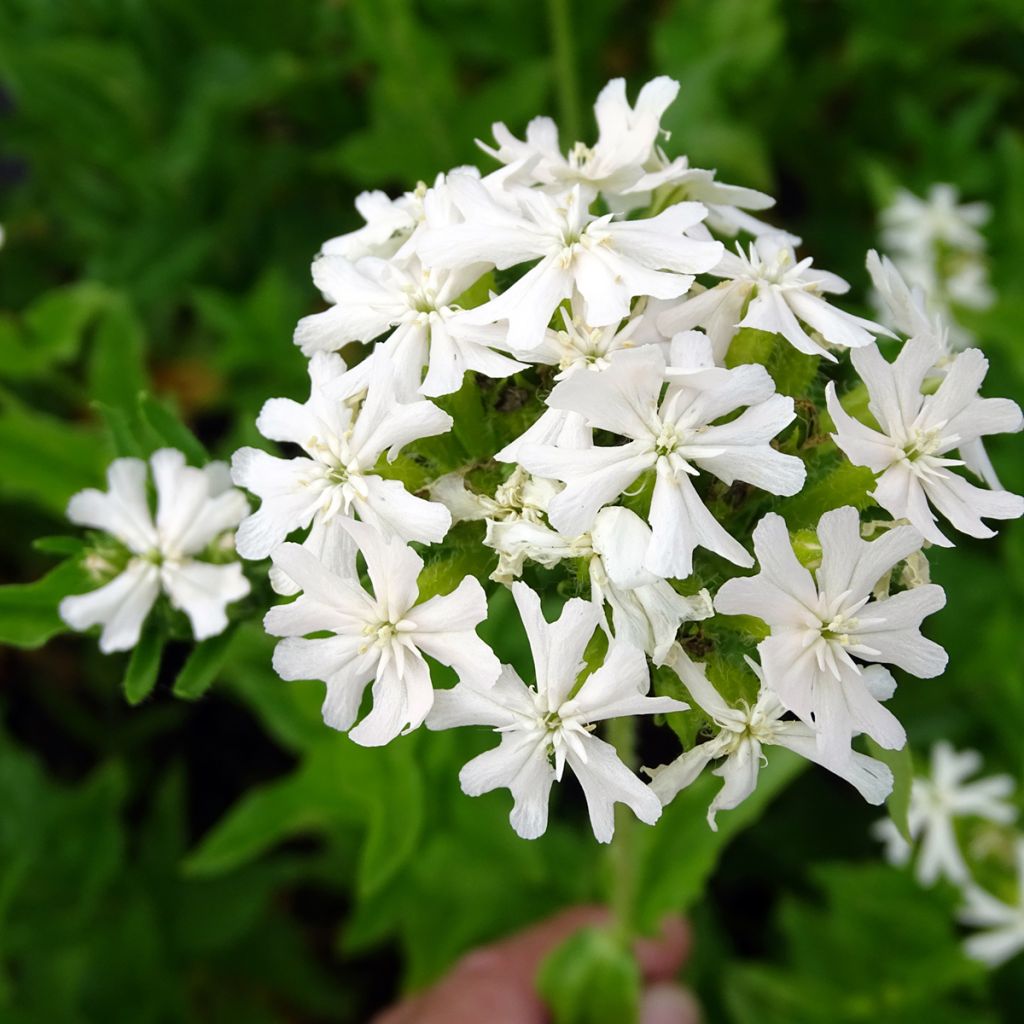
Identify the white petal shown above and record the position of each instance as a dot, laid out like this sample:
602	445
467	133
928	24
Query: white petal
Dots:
120	606
606	781
123	511
202	591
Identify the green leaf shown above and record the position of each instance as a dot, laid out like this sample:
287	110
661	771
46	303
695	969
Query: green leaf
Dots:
339	783
200	670
51	332
43	459
171	431
901	764
121	430
591	978
116	370
62	545
144	665
679	854
28	611
844	484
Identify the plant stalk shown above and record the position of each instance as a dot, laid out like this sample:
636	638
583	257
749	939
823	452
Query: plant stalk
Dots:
564	57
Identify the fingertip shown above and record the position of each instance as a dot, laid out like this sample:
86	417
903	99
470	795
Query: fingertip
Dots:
661	957
666	1003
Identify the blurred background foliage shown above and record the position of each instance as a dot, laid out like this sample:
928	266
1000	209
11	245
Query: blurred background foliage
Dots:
167	170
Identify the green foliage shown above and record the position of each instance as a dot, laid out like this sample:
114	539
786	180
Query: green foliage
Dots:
144	663
679	855
28	611
592	978
902	765
879	950
168	170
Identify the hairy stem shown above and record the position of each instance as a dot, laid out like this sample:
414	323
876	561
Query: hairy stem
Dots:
560	25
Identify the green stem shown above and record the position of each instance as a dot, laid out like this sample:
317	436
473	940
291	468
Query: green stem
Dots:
622	851
560	24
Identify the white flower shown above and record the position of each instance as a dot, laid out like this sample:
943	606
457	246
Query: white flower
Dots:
521	496
195	507
545	727
626	141
726	204
781	292
917	432
381	636
389	222
677	439
936	802
907	311
914	226
820	623
343	440
608	263
743	731
1003	923
646	612
372	296
578	347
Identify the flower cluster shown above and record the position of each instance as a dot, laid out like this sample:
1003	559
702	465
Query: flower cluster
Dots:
952	814
593	375
938	246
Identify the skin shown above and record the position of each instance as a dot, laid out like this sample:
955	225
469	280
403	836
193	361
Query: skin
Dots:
495	983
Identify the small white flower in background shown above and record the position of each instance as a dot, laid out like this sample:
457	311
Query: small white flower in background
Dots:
936	244
913	226
381	636
675	438
609	263
917	433
937	801
343	441
373	296
544	727
1002	924
782	293
194	508
743	732
626	142
820	623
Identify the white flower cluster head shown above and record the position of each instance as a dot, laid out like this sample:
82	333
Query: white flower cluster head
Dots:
937	244
185	551
954	817
560	370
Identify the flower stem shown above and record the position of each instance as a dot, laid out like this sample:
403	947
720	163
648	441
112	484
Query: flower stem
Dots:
560	25
622	851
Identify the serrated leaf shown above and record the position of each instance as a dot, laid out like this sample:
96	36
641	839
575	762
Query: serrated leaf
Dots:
591	978
201	667
901	764
28	611
144	664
